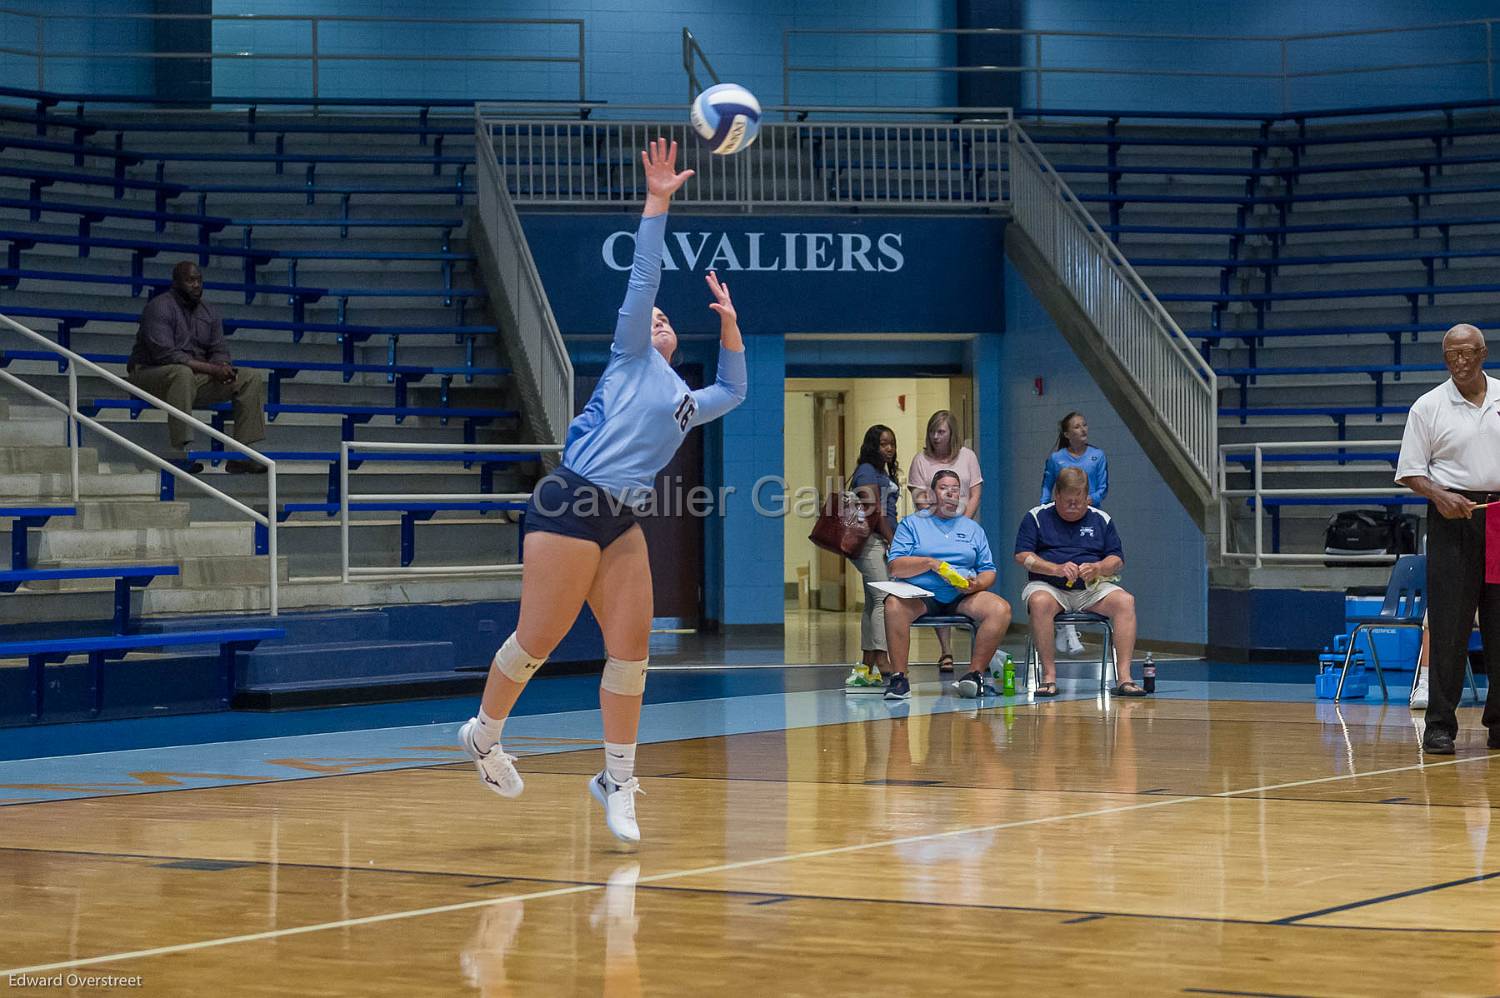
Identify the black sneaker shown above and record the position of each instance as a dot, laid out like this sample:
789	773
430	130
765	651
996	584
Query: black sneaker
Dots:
1439	743
971	686
898	687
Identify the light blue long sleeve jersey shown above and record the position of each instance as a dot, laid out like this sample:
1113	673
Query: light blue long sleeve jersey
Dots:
641	410
1093	464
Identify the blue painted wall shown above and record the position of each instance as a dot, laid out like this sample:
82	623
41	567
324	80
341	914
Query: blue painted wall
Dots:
1165	563
65	34
633	49
745	558
1266	18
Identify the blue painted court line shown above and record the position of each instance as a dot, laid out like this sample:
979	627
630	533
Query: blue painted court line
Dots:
549	695
299	756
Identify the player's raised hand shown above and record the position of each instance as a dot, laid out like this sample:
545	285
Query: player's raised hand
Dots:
722	303
659	159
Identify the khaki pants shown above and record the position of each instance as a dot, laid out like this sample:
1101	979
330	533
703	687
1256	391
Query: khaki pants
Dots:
871	562
177	385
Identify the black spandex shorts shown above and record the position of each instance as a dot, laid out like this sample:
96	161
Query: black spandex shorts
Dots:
938	609
569	504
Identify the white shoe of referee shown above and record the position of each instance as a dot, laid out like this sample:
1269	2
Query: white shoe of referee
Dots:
1419	695
618	801
1067	640
496	768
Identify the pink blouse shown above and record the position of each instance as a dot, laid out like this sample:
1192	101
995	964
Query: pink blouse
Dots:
919	475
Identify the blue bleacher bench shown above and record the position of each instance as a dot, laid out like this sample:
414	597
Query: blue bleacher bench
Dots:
127	577
113	647
24	518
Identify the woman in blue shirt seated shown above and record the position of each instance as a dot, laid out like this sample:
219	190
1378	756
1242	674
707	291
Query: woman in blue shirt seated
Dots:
877	483
1073	451
946	553
1072	556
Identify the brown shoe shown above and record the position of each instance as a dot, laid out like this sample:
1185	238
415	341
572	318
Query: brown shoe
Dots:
244	468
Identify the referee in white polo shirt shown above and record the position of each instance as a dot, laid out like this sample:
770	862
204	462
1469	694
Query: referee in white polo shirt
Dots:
1450	455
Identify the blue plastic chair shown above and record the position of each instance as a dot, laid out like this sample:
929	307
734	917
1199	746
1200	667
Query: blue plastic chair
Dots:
1404	606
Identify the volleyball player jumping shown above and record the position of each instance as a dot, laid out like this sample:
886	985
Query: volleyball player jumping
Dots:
583	541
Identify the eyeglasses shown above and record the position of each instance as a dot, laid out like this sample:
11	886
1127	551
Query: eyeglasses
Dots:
1463	353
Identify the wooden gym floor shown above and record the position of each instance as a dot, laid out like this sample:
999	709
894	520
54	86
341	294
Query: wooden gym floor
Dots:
1164	846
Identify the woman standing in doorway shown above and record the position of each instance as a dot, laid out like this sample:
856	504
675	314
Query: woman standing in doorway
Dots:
877	483
943	452
1073	451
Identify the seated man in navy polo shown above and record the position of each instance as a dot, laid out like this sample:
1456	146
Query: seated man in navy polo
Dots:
946	553
1072	556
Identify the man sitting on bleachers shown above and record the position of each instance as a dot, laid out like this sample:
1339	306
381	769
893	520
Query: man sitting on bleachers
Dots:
1072	555
181	357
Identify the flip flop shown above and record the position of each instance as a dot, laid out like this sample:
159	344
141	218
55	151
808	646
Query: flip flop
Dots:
945	664
1129	690
1046	690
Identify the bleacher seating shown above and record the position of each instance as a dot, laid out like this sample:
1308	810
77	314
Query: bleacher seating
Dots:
1316	259
325	241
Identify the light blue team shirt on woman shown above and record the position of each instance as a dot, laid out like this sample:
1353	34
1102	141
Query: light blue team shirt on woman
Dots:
960	542
641	410
1091	461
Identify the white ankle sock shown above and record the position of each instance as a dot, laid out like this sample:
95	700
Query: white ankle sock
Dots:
487	731
619	762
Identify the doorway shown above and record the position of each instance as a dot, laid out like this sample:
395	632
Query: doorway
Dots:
828	445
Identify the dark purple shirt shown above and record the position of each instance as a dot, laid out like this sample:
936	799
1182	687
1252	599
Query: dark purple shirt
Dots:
172	332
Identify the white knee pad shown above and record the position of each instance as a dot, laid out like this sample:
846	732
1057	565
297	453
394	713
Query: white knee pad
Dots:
628	679
515	663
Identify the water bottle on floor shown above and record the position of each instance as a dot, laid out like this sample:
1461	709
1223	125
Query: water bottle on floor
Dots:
1009	685
1148	674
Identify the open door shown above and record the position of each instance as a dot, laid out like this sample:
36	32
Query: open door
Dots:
828	435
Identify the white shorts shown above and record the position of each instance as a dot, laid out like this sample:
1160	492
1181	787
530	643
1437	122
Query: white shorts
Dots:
1071	600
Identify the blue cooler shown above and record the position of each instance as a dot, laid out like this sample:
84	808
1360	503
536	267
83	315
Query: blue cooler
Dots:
1331	663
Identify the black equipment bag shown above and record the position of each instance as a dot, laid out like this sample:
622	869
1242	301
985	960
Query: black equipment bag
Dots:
1370	531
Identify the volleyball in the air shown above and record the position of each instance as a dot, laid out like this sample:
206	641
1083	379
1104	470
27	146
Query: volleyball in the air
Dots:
727	116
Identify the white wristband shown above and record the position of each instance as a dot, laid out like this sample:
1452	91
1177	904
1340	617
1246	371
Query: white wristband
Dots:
1030	561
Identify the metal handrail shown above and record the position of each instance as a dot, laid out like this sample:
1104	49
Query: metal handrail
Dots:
1281	55
1258	491
313	56
1171	376
347	571
948	166
79	419
690	50
540	338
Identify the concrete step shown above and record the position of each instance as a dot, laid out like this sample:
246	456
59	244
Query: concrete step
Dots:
51	486
33	606
301	628
54	459
45	432
281	662
332	594
234	570
200	540
126	514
